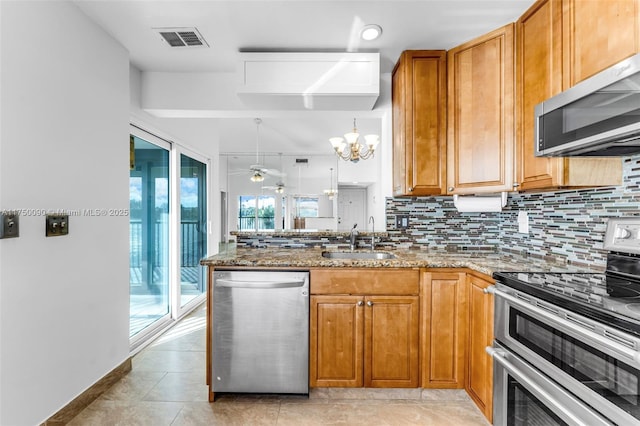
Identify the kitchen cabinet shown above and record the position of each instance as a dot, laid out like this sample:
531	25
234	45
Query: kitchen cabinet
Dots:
364	328
598	34
479	382
480	111
540	76
444	329
419	123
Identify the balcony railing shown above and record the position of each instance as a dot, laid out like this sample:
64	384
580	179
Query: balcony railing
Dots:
191	249
248	223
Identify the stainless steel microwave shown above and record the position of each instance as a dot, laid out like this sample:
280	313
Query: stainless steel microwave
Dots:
597	117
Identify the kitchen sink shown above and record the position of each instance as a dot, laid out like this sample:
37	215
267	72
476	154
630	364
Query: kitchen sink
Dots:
358	255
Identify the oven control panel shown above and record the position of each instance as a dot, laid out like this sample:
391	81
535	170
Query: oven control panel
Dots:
623	234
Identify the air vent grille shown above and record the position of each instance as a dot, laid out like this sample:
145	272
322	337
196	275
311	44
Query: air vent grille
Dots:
182	37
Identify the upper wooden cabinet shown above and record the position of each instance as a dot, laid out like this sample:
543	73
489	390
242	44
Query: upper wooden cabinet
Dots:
480	110
419	123
539	76
598	34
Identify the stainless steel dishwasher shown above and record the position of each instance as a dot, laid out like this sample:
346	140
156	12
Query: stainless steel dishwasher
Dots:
260	339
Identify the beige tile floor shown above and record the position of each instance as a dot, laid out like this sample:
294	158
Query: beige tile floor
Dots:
166	387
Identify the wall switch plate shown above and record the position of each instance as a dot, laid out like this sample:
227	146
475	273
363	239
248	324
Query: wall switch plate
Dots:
9	225
523	222
57	225
402	221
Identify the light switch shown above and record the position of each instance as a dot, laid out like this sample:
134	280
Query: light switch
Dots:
402	221
57	225
9	225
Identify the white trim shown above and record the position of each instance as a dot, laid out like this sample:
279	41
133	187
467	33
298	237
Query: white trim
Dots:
154	131
174	233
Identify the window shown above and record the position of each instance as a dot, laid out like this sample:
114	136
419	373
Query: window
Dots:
256	213
306	206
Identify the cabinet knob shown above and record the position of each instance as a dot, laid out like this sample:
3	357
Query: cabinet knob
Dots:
516	184
410	189
451	188
360	303
369	303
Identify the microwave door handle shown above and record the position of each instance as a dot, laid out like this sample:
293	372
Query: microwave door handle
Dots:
546	397
629	354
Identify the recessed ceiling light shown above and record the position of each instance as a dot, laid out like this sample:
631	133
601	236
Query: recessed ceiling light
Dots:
370	32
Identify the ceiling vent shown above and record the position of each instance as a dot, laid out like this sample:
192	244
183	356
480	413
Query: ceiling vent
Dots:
182	37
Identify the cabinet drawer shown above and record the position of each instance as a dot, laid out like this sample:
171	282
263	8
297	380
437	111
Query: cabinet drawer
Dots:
402	281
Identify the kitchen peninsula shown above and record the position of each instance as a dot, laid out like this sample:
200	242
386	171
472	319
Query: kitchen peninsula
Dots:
432	302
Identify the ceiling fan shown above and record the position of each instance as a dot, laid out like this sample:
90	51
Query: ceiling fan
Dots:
279	186
258	171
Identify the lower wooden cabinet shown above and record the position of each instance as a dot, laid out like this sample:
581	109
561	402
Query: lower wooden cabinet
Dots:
336	341
444	329
479	383
369	341
430	330
360	336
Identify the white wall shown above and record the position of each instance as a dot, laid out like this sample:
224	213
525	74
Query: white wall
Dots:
64	301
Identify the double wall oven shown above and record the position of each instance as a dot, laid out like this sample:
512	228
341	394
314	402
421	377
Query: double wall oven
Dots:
567	345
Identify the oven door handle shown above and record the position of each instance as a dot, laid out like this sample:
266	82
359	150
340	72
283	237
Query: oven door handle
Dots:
545	396
631	355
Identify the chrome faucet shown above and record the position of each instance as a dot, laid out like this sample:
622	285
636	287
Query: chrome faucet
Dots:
372	221
352	236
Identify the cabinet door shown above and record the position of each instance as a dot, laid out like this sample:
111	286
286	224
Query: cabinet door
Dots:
539	76
480	377
598	35
391	342
336	341
444	314
419	123
480	153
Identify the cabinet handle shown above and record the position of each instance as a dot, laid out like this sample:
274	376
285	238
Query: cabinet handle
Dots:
516	184
451	188
369	303
360	303
489	290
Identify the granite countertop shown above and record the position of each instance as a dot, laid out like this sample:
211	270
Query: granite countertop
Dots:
483	262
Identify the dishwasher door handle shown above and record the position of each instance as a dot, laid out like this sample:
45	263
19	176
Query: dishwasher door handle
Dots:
258	284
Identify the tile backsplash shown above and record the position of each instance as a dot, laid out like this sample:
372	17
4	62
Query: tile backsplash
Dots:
565	225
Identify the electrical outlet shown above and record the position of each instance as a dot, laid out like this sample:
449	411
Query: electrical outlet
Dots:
402	221
9	225
57	225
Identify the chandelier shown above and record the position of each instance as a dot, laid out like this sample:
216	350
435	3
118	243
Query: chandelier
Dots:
331	192
355	150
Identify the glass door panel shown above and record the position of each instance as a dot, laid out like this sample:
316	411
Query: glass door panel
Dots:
193	228
148	235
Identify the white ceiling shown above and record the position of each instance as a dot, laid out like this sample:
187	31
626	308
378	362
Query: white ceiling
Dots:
293	25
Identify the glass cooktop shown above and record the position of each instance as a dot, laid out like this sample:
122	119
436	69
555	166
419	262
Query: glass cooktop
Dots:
585	294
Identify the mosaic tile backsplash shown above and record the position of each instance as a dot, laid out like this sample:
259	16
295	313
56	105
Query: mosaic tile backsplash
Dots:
564	225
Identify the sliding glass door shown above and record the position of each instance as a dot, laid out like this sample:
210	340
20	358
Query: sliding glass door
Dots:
148	234
193	228
168	196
